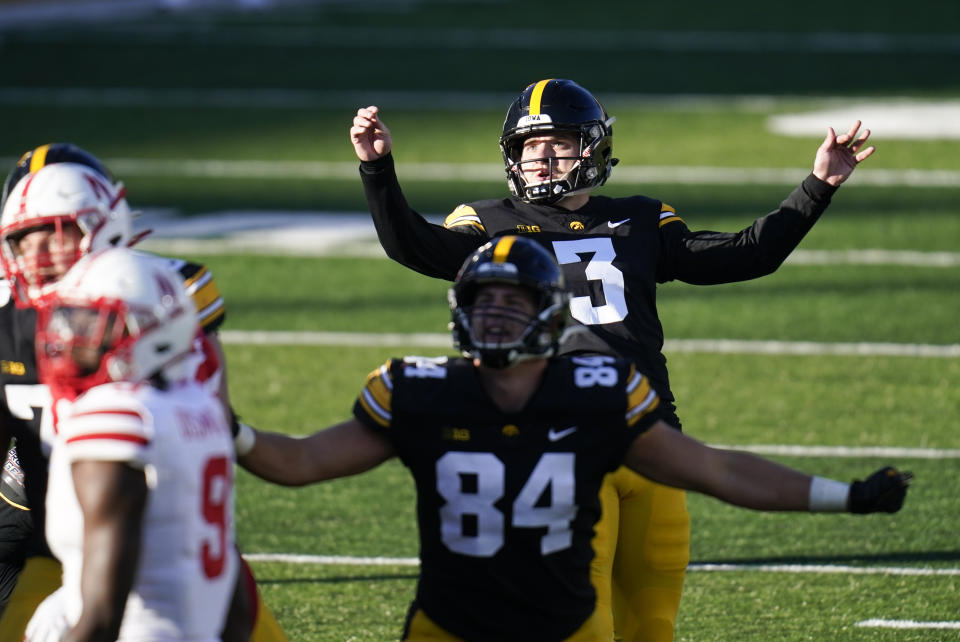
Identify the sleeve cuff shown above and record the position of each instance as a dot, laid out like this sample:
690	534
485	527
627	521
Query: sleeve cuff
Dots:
818	190
382	164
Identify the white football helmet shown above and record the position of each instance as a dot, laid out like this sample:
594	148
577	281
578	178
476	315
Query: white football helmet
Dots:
57	197
117	315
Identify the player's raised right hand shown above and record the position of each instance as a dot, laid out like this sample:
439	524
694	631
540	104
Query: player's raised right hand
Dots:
370	137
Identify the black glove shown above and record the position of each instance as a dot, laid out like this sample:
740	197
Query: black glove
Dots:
883	491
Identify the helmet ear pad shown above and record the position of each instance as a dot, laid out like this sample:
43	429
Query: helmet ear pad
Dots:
558	106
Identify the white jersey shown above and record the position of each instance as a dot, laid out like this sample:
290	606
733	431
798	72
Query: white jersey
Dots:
188	564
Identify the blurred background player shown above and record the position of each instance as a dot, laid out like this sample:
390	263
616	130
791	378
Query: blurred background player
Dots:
140	491
557	147
64	214
508	448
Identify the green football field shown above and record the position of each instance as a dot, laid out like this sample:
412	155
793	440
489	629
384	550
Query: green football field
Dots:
202	112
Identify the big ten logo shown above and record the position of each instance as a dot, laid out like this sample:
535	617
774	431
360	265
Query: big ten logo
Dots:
451	433
15	368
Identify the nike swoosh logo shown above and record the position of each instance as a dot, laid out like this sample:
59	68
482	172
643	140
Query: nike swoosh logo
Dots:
614	224
556	435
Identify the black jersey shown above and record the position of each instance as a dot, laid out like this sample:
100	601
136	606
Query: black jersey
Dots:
507	502
613	251
25	403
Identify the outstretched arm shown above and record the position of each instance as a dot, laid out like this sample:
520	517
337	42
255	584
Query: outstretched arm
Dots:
705	257
670	457
349	448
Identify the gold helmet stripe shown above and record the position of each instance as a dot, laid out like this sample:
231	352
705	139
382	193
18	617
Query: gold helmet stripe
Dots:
39	158
502	249
537	95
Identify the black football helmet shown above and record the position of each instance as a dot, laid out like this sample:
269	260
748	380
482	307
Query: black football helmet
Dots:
519	261
552	106
39	157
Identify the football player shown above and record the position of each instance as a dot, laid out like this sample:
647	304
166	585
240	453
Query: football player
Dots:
64	203
557	148
508	449
140	488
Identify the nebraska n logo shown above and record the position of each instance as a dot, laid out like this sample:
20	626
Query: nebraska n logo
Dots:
167	291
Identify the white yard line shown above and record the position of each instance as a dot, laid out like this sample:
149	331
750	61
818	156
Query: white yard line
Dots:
347	560
905	624
847	451
727	346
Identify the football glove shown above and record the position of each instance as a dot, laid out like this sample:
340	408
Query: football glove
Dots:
883	491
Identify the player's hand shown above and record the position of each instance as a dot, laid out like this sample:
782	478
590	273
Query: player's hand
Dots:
370	137
49	622
838	156
883	491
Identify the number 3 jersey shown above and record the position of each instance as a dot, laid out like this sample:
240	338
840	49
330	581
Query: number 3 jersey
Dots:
613	252
180	438
507	502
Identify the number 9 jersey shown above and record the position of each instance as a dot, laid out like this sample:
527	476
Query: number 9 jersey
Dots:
181	440
507	502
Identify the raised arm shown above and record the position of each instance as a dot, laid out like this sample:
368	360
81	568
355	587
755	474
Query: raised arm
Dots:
406	237
672	458
705	257
348	448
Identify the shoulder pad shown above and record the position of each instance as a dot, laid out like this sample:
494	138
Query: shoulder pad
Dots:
463	215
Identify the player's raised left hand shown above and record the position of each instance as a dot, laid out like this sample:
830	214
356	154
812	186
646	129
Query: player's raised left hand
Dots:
838	156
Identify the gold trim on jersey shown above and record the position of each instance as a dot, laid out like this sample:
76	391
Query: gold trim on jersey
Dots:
463	215
668	215
207	319
13	503
39	158
377	396
206	296
641	398
502	249
536	96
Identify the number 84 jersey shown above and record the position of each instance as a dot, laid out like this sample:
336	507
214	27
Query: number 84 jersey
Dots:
507	502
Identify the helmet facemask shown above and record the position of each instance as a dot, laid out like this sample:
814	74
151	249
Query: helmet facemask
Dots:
84	344
84	212
35	256
588	163
117	315
524	318
501	336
